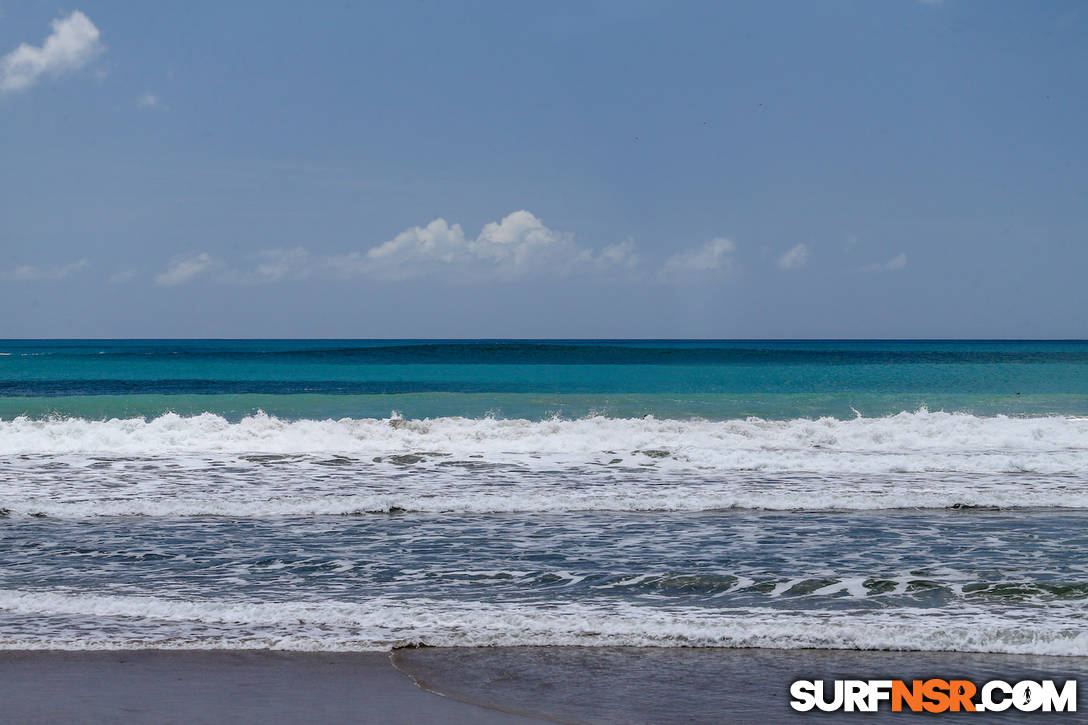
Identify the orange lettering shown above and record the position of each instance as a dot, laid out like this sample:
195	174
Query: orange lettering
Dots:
912	695
937	692
961	692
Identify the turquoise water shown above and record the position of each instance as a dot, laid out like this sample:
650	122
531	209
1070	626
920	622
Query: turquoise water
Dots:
536	379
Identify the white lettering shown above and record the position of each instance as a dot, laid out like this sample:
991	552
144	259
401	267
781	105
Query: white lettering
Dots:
803	694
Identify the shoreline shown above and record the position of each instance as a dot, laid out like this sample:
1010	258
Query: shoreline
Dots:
473	685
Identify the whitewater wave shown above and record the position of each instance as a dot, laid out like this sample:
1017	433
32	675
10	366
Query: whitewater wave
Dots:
60	620
909	441
264	466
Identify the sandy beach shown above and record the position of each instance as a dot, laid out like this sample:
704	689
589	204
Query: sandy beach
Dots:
471	685
219	686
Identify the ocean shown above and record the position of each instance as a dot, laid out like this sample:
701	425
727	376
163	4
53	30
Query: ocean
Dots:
362	495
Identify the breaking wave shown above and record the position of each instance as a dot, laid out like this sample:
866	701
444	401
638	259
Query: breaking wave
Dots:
205	465
910	441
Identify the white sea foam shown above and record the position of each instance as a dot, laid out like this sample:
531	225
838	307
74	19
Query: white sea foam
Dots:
920	441
635	498
67	620
264	466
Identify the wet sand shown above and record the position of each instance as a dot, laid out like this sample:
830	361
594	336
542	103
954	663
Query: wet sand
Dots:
477	685
674	685
221	686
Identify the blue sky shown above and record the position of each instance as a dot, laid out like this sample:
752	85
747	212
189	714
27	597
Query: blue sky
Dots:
516	169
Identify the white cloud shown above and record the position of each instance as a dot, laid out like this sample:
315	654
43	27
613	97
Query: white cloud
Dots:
795	258
897	262
619	255
30	272
710	257
71	45
184	269
517	246
412	253
277	264
149	100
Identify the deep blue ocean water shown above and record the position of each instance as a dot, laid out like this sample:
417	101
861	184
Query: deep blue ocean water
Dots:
341	494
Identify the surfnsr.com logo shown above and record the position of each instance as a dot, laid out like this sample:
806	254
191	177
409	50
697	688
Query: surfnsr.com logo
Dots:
933	695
